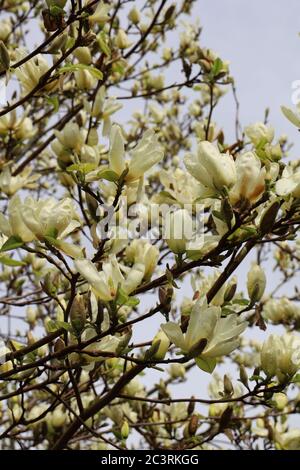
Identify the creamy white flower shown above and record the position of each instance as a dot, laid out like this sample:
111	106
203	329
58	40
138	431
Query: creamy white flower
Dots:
221	334
280	356
178	230
180	185
251	177
256	282
146	154
141	251
291	115
11	184
5	28
14	225
289	183
84	79
70	137
213	169
100	14
281	311
259	132
105	284
49	217
30	73
289	440
19	126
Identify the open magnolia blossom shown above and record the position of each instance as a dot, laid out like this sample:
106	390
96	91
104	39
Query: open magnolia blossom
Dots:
280	356
105	284
144	156
10	184
208	335
21	127
259	133
289	183
214	170
30	73
251	176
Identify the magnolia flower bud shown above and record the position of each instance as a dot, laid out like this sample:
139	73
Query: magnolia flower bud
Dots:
134	15
58	418
281	400
84	79
162	342
125	429
83	54
193	425
178	230
177	371
31	315
213	169
256	283
228	387
122	41
78	313
259	132
243	375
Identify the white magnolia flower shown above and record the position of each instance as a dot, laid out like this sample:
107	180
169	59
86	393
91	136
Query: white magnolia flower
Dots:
221	334
178	230
103	108
292	116
281	311
11	184
50	217
259	133
100	14
251	177
141	251
144	156
20	127
256	282
289	183
213	169
14	225
289	440
105	284
70	137
30	73
180	185
280	356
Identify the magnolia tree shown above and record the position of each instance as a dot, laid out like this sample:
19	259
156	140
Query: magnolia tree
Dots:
125	212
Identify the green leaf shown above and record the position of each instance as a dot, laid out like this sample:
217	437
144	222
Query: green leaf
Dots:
55	10
296	379
56	325
124	299
76	67
64	325
53	101
207	364
12	243
82	167
102	41
11	262
52	233
217	67
108	175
